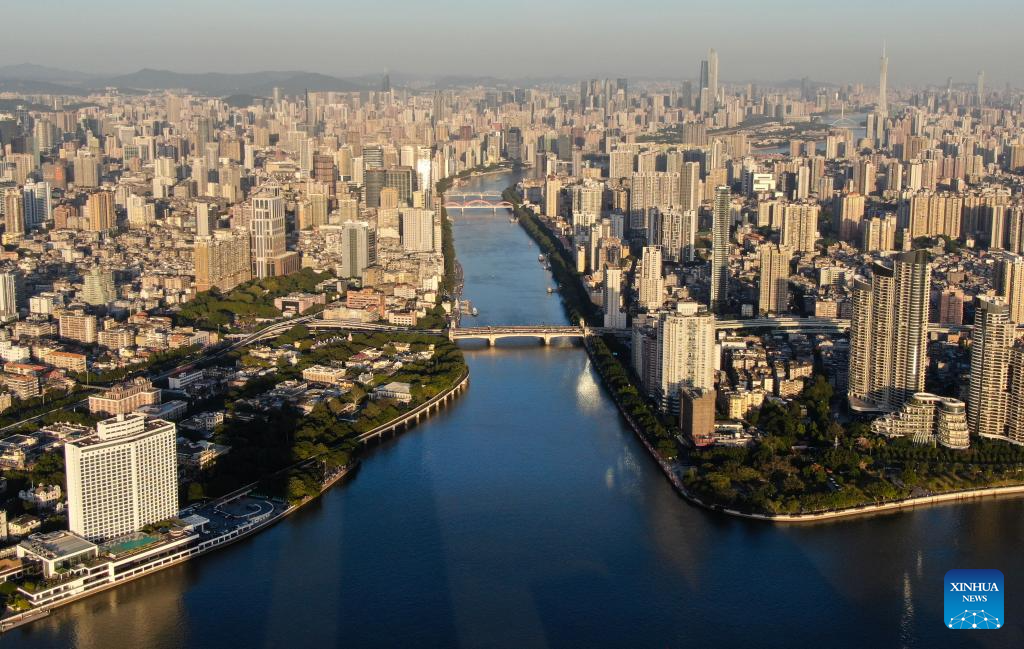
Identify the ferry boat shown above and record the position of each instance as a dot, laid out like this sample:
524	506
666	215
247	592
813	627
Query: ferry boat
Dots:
540	258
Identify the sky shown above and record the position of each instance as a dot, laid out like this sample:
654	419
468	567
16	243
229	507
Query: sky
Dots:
768	40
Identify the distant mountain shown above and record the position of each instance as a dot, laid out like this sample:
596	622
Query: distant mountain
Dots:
28	87
260	84
32	72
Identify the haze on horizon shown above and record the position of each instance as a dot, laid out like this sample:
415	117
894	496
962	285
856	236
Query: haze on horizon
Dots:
927	41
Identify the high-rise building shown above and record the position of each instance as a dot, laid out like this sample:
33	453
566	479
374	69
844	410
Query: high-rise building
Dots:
99	211
1015	385
720	220
614	316
8	294
697	415
848	212
14	213
690	190
988	396
652	284
879	234
773	289
800	226
883	86
889	333
679	234
1009	283
686	349
358	249
38	204
98	287
951	307
552	194
417	230
270	258
122	478
223	260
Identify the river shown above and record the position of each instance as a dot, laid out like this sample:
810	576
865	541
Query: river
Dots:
527	515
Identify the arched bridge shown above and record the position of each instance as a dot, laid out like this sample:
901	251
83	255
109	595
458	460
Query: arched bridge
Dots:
544	333
476	201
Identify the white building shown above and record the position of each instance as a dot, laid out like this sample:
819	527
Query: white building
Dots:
686	352
122	478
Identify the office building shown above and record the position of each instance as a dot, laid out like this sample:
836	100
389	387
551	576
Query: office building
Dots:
269	256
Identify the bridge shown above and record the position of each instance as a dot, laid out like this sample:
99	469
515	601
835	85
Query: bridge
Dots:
544	333
476	201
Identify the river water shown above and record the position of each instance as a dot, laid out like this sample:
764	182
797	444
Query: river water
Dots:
527	515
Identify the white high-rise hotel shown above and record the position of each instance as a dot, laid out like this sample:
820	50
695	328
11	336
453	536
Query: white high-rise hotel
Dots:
122	478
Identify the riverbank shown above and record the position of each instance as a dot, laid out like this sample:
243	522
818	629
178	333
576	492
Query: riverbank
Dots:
199	545
648	432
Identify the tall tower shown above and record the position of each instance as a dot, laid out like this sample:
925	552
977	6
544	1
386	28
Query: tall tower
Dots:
889	333
883	86
713	77
981	88
991	340
268	232
721	216
652	284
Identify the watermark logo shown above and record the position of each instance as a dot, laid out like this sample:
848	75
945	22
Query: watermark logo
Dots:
974	599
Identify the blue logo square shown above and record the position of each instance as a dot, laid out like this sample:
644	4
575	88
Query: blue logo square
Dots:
973	599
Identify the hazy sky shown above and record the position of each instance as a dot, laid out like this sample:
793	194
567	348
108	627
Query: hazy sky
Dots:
928	40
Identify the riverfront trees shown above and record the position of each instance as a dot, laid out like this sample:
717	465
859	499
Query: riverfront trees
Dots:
290	452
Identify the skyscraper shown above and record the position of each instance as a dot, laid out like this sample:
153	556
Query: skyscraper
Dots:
883	86
721	217
652	284
122	478
270	257
686	348
889	333
991	340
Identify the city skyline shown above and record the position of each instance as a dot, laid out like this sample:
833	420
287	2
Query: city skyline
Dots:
346	41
